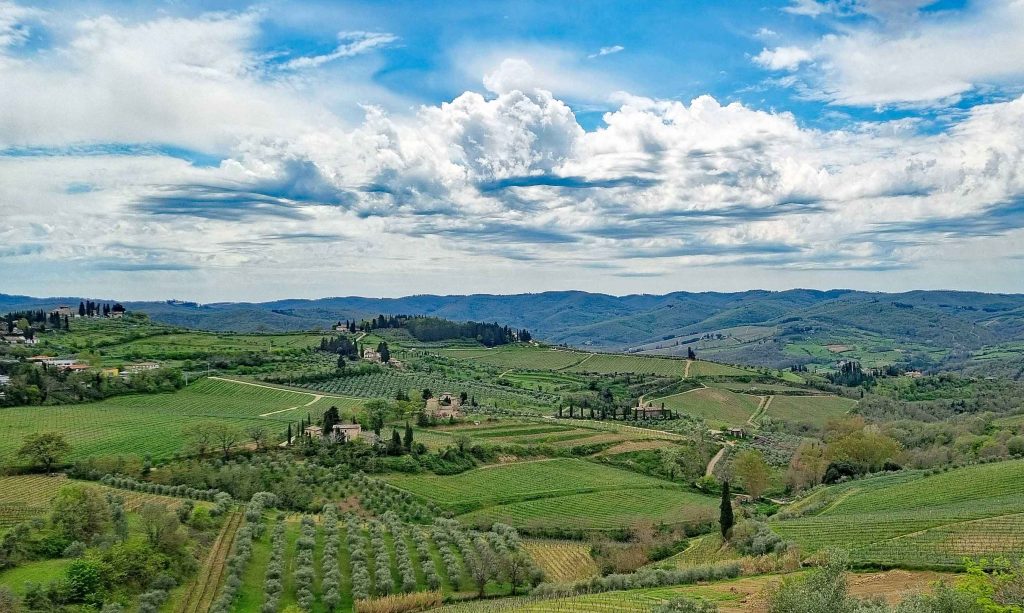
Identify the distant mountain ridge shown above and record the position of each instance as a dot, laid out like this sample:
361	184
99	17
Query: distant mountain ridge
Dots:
754	327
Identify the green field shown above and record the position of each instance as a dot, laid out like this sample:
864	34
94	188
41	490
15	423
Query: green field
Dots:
607	510
519	481
153	423
527	357
603	363
703	368
913	519
717	406
813	410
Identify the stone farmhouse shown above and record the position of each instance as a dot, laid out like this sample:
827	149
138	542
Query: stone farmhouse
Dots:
445	406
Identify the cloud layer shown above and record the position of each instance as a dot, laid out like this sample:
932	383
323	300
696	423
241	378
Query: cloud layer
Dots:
173	153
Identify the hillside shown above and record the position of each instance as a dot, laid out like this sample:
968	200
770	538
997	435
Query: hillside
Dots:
950	330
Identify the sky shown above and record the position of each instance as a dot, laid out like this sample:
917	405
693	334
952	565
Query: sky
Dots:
222	151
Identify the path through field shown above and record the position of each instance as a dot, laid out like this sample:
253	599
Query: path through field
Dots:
316	398
718	456
686	373
762	408
204	587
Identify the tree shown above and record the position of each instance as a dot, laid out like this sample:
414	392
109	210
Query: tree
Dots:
407	440
341	362
690	354
198	437
752	471
427	394
515	566
807	468
395	445
259	435
482	566
331	417
385	354
725	517
81	309
80	513
224	435
377	411
162	527
44	449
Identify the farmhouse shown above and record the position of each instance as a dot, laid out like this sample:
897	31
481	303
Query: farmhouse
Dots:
445	406
649	411
118	311
130	369
347	432
314	431
371	355
737	432
62	311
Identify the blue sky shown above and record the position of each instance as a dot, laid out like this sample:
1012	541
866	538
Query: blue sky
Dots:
225	150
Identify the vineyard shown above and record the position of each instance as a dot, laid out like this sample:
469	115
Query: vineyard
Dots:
562	561
154	423
919	520
519	356
717	406
519	481
24	497
601	511
387	383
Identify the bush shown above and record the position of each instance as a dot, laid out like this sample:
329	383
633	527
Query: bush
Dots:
687	605
753	537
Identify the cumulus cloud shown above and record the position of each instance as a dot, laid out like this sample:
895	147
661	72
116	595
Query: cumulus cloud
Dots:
904	56
508	176
782	58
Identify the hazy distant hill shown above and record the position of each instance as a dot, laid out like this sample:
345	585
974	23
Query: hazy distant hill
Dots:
964	330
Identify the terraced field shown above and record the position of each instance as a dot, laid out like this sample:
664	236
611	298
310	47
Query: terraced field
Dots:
154	423
919	520
561	433
717	406
813	410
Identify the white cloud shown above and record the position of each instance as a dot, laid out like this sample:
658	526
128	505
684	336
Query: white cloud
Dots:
14	23
607	51
905	57
350	44
459	194
782	58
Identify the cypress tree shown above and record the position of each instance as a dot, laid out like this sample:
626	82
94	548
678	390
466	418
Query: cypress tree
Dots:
725	518
408	437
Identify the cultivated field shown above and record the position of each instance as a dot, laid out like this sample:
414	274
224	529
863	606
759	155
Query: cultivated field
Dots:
813	410
527	357
23	497
607	510
519	481
717	406
154	423
918	520
561	560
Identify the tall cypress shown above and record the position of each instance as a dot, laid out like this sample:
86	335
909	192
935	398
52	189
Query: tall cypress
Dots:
725	518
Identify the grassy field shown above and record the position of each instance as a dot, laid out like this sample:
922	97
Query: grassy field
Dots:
605	510
703	368
153	423
520	481
527	357
717	406
813	410
914	519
